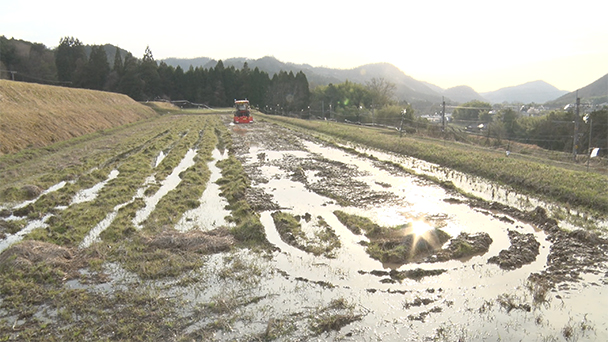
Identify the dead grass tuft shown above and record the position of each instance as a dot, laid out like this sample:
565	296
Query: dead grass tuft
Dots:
218	240
32	252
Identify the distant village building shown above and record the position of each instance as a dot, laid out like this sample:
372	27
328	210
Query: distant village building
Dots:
529	110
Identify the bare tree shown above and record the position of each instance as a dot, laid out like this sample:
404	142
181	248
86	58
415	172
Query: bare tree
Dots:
382	91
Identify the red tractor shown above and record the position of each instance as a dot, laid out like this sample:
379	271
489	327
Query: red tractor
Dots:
242	112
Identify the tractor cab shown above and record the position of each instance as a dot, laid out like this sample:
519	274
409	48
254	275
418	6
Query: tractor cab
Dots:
242	112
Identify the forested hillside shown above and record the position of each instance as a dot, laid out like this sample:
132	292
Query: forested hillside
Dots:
75	65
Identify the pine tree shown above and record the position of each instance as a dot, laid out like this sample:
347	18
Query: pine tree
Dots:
96	70
118	65
148	71
70	58
302	91
130	83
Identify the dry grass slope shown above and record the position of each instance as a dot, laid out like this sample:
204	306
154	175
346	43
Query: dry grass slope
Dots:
34	115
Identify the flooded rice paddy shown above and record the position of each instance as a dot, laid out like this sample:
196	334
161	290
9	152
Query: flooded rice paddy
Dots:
463	303
289	293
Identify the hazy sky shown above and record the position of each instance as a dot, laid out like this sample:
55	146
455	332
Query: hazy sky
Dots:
484	44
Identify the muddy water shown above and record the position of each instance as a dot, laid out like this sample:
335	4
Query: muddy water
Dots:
482	188
53	188
417	200
13	238
462	303
168	184
211	212
90	194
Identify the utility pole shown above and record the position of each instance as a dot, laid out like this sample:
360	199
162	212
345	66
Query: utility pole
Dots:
401	124
589	148
323	108
443	114
373	111
575	143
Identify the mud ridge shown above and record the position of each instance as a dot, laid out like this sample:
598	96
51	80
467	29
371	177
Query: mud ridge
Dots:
523	250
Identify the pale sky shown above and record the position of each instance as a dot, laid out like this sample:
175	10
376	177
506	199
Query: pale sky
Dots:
483	44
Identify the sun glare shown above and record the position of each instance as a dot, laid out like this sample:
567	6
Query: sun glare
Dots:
420	227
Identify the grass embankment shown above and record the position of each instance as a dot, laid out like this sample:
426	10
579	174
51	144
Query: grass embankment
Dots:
35	115
575	188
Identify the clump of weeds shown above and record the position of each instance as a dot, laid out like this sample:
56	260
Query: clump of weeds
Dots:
540	290
324	242
276	328
572	331
510	302
449	332
335	316
239	268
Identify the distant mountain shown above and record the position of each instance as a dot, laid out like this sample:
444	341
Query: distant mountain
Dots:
536	91
407	88
462	94
185	63
594	93
433	87
110	52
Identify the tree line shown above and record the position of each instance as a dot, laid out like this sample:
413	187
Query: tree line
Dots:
146	79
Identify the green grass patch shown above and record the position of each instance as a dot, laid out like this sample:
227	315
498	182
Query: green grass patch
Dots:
233	185
359	224
151	262
32	285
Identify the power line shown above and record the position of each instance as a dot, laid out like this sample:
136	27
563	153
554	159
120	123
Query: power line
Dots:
22	75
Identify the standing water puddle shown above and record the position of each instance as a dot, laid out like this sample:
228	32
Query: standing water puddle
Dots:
211	213
13	238
475	185
417	200
168	184
161	156
90	194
